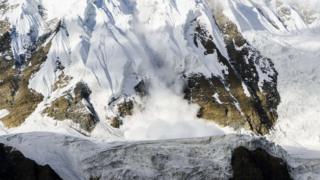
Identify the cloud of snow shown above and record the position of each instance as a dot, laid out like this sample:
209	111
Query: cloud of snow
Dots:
166	115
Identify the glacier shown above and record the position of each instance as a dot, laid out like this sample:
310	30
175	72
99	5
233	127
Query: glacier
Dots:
78	158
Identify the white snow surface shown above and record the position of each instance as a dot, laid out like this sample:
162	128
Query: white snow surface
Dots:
4	113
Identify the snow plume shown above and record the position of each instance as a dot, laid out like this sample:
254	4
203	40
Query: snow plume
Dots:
166	115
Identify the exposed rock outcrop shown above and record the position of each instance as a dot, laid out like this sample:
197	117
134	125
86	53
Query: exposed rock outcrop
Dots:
75	106
251	66
14	166
124	109
257	165
14	92
241	98
124	106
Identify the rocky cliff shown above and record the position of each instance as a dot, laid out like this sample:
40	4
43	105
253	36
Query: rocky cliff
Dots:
14	166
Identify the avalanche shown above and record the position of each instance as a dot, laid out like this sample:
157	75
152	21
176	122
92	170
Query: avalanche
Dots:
113	45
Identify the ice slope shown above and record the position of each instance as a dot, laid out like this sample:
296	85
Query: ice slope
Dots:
77	158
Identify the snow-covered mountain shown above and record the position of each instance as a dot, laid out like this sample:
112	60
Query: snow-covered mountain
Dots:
122	57
107	70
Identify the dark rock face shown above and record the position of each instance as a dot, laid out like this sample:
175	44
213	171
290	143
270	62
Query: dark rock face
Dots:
247	61
202	36
239	98
141	88
77	108
14	166
257	165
